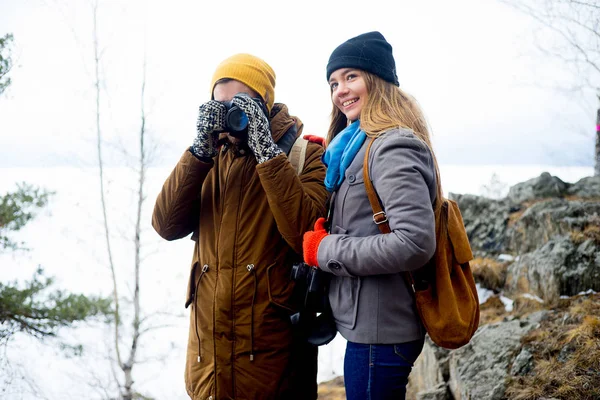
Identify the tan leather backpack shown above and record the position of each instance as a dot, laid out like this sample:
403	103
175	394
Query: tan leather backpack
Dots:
444	289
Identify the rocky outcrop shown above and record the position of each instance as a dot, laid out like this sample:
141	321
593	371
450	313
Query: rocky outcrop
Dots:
479	369
433	368
544	220
588	187
559	268
542	187
555	241
549	231
522	222
486	221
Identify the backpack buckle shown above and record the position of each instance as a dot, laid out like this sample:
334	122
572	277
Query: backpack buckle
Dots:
379	221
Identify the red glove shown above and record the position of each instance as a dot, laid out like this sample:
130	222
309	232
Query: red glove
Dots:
311	242
315	139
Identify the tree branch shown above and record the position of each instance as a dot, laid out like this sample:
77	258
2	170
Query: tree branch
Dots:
102	191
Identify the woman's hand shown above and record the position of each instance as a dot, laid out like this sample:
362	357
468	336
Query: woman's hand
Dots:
312	239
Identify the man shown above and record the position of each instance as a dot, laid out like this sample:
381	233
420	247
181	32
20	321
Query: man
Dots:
248	209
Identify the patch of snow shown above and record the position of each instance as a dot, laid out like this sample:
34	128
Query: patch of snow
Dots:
483	293
590	291
508	303
505	257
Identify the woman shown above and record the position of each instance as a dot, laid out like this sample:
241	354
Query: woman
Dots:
372	303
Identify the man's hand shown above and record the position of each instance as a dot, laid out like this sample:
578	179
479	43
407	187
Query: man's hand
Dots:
260	140
211	119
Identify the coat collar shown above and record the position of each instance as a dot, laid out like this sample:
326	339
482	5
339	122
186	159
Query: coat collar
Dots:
281	121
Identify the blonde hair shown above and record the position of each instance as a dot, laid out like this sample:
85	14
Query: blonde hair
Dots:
389	107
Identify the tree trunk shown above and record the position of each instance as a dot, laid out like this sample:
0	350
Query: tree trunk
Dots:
597	152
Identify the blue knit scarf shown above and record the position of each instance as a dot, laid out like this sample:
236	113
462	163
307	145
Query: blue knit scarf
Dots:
340	153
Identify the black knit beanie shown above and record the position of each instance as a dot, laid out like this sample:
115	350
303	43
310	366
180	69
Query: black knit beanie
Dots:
369	52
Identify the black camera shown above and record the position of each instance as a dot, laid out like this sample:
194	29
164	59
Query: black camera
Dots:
236	120
315	319
313	284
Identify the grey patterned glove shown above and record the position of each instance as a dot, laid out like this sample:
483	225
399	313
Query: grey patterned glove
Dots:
211	119
260	140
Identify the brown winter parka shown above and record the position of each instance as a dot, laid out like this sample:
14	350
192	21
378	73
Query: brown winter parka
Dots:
248	221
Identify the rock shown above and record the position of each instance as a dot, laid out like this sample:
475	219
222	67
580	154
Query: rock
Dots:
588	187
485	221
548	231
479	369
440	392
566	352
523	363
558	268
541	187
549	218
430	369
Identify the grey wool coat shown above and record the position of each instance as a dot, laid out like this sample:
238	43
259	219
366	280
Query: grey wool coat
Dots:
370	299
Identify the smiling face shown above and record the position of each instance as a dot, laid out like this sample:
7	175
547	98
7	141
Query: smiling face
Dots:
348	91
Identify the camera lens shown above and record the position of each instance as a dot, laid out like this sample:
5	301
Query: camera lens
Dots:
236	119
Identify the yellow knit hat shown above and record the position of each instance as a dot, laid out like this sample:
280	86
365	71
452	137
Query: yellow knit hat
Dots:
251	71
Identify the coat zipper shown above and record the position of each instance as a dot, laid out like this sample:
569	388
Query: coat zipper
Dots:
204	269
250	269
234	262
223	190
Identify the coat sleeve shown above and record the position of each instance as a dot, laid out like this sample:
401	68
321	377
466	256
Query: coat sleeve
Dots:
403	175
177	206
295	201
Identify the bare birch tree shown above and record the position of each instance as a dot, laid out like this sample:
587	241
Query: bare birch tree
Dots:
125	361
573	37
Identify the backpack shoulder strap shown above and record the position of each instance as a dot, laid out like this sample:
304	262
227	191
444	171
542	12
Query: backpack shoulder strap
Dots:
294	147
297	154
379	216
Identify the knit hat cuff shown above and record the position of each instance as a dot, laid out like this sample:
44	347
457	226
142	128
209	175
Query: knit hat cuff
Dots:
252	72
369	52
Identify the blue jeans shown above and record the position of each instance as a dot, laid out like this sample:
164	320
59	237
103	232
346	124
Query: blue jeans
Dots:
379	371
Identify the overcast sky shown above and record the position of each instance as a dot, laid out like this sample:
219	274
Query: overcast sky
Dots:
467	62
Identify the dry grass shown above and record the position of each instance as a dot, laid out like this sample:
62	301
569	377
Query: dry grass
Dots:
585	199
490	274
333	389
491	311
524	305
566	349
591	231
514	217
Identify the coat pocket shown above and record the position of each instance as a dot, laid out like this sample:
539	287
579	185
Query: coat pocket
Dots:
344	293
191	285
280	286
